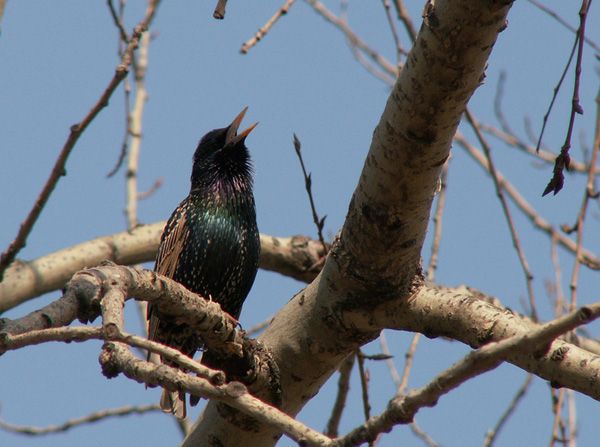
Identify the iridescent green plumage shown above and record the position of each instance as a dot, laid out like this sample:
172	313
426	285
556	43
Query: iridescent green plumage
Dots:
211	243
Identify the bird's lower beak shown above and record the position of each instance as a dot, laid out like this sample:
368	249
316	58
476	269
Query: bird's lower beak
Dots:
232	138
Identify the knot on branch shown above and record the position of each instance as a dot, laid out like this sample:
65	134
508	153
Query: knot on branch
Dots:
255	368
109	360
86	287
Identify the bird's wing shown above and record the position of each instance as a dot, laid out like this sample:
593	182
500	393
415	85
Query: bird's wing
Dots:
171	247
166	259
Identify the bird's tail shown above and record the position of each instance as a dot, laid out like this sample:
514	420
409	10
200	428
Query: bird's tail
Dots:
173	402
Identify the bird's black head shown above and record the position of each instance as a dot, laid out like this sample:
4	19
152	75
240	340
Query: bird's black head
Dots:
222	159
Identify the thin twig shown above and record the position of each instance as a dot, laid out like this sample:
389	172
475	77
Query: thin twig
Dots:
265	29
589	194
507	135
320	223
402	409
364	382
126	89
357	50
118	21
404	16
563	159
437	224
421	434
504	204
260	326
219	12
390	360
557	271
564	23
76	131
157	184
235	394
340	400
136	121
410	354
557	398
93	417
572	419
399	50
386	66
589	259
555	94
491	435
2	5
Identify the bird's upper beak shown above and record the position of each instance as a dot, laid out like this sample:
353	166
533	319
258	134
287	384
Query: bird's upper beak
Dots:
232	138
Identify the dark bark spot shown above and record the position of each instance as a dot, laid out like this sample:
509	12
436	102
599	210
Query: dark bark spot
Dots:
559	354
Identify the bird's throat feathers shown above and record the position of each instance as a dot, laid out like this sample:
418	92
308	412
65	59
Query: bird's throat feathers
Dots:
223	189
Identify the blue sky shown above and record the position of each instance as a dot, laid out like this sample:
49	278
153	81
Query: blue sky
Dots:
56	59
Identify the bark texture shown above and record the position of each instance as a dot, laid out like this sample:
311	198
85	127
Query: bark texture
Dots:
374	264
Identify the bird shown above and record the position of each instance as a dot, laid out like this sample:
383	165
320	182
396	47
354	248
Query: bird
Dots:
211	243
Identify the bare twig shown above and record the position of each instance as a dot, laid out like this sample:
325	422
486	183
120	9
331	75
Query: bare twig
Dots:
572	420
563	159
234	394
390	70
76	131
557	271
340	400
399	49
589	194
219	12
320	223
410	354
564	23
364	382
402	409
136	121
507	135
424	436
297	257
437	224
557	398
93	417
84	333
491	435
157	184
504	204
265	29
118	21
2	5
404	16
589	259
390	360
259	327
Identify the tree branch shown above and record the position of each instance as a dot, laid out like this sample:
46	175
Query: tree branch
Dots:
374	262
76	131
292	257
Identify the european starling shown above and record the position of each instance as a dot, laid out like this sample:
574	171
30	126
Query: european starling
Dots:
211	243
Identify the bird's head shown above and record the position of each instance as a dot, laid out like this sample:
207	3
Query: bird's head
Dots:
222	156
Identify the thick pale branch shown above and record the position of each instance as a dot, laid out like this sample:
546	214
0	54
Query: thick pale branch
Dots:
439	311
402	409
234	394
292	257
376	257
379	249
88	289
80	334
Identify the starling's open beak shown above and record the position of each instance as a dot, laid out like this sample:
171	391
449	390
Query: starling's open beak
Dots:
232	138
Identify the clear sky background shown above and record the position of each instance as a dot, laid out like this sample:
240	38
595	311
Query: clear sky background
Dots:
57	57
